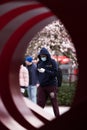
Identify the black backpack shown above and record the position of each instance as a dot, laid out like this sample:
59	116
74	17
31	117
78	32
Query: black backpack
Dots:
59	77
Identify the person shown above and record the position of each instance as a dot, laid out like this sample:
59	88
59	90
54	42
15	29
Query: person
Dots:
33	79
23	77
47	70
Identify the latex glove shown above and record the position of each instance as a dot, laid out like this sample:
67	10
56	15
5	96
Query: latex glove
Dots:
41	70
37	85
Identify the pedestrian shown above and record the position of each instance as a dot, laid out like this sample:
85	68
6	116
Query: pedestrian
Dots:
23	77
33	79
47	71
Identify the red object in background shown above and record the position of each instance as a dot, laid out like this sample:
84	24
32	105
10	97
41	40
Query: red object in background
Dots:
61	59
75	71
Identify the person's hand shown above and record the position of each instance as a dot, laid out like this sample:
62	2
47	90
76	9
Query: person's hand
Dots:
41	70
37	85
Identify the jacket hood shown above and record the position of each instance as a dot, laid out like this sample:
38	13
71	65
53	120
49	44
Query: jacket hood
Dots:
44	51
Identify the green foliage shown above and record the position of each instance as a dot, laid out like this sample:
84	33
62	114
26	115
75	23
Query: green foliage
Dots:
65	94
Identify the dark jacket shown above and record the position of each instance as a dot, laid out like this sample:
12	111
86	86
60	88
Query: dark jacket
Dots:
33	77
48	78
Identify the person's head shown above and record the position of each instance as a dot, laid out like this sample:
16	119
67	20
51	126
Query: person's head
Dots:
28	60
44	55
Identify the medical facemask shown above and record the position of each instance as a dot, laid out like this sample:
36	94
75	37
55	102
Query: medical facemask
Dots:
43	58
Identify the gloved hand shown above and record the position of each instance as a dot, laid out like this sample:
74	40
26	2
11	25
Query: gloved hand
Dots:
37	85
41	70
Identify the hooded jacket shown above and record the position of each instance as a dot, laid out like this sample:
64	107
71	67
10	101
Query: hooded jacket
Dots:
48	78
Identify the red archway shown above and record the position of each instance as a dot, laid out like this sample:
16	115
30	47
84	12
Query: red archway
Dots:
14	112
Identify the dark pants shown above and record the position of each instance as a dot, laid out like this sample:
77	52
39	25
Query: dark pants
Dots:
42	95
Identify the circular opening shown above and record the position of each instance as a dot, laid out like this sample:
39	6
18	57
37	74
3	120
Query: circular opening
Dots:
20	27
56	39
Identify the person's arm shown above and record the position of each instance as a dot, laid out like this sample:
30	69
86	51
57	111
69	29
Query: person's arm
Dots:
54	70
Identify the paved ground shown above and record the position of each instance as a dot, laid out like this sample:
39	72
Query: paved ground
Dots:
62	110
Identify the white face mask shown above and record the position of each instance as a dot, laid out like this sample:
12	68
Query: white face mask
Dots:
43	58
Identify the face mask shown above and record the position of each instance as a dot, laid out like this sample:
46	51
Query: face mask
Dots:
43	58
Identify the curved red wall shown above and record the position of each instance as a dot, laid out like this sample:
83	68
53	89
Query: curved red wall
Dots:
19	22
